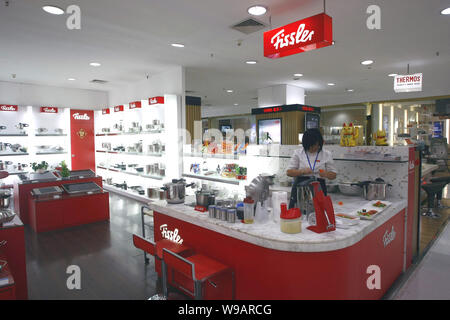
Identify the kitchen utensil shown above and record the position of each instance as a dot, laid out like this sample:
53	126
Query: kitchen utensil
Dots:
204	199
175	191
59	131
324	212
258	189
6	216
261	213
223	213
212	211
42	130
290	220
5	199
231	215
349	189
278	197
21	126
374	190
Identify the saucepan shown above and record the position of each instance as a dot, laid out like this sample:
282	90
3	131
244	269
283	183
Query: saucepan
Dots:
373	190
349	189
5	199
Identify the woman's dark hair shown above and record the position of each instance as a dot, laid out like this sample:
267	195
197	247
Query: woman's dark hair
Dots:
311	137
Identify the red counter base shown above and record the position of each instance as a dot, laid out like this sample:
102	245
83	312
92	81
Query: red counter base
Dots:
262	273
47	215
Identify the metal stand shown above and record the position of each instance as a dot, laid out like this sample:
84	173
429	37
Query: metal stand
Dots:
145	211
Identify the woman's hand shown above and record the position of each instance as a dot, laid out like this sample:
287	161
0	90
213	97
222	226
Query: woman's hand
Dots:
327	174
298	172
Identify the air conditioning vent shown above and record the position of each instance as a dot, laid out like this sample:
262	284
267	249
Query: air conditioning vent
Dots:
99	81
249	26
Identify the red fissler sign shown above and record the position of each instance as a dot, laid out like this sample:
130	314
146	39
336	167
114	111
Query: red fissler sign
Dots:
118	109
105	111
49	110
7	107
308	34
135	105
156	100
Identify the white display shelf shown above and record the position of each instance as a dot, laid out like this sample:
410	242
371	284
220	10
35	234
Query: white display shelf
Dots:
213	177
127	193
54	152
14	154
128	133
132	153
213	156
13	135
132	173
50	135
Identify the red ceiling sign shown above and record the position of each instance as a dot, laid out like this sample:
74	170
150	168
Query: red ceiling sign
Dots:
308	34
106	111
135	105
49	110
8	107
156	100
118	109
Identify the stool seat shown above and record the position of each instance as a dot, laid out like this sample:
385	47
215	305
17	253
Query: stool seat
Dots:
170	245
445	179
205	266
433	187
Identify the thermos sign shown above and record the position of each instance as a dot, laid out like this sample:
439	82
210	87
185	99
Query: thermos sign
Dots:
170	235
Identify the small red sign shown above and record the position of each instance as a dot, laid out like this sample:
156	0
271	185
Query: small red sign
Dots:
106	111
8	107
156	100
308	34
49	110
308	109
118	109
270	110
135	105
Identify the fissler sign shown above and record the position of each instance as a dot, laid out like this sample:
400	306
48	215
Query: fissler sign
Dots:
308	34
49	110
7	107
170	235
78	116
156	100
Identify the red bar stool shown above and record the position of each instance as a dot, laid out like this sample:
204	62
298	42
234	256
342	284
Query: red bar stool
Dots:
198	276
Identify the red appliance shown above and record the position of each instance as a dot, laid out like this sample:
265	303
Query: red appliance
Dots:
325	219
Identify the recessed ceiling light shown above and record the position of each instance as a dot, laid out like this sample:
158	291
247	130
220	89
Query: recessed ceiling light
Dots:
393	75
95	64
445	11
331	84
71	79
350	90
257	10
53	10
178	45
230	91
251	62
236	104
367	62
298	75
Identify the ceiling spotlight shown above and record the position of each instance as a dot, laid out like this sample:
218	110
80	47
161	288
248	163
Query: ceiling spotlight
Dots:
367	62
251	62
350	90
230	91
71	79
177	45
257	10
331	84
53	10
298	75
236	104
445	11
95	64
393	75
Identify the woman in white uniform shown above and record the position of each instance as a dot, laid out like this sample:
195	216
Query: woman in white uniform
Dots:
311	159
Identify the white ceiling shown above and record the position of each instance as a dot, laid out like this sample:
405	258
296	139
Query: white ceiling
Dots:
132	38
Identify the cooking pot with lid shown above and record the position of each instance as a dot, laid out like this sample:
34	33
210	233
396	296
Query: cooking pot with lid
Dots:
5	199
175	191
205	198
374	190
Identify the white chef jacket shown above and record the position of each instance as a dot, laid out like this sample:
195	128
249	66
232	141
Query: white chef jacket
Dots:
324	161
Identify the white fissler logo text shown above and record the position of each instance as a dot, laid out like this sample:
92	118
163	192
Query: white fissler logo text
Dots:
8	108
170	235
281	40
389	237
78	116
49	110
153	101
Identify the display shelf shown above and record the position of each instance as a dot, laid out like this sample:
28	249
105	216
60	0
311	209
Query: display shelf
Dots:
272	156
13	135
132	153
370	160
127	193
50	135
155	177
14	154
128	133
212	156
214	178
55	152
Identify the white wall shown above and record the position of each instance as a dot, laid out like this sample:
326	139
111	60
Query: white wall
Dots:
220	111
40	95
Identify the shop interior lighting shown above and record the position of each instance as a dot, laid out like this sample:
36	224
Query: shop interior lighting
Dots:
445	11
251	62
350	90
447	130
393	75
380	116
391	127
236	104
53	10
298	75
95	64
230	91
405	119
71	79
331	84
257	10
177	45
367	62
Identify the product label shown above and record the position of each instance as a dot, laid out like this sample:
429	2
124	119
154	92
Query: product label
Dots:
170	235
78	116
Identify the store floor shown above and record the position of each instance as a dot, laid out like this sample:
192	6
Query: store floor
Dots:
111	267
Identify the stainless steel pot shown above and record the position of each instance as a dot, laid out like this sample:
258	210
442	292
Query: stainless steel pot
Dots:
349	189
153	193
175	191
374	190
205	199
5	199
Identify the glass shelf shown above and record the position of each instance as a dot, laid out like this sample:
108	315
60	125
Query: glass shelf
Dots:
13	135
132	173
50	135
370	160
212	156
14	154
56	152
132	153
214	178
128	133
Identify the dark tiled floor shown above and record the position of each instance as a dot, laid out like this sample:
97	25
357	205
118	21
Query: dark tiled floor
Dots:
111	267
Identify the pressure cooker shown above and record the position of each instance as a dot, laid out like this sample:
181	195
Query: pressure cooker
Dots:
374	190
5	199
175	191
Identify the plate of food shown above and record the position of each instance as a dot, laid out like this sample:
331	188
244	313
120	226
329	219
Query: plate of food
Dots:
347	219
379	204
367	214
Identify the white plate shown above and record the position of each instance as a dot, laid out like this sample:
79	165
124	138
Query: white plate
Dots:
346	221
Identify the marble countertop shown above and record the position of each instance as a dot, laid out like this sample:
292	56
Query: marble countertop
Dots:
268	235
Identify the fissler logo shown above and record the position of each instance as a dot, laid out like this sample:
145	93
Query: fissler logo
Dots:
281	40
78	116
389	237
8	108
49	110
170	235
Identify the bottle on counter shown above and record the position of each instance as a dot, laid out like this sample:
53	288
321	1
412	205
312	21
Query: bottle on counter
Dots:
249	205
290	220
